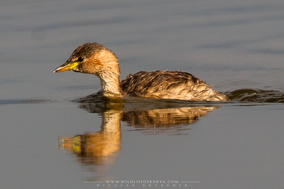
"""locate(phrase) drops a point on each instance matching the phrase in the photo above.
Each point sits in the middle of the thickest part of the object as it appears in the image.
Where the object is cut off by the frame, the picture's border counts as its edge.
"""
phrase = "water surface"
(54, 135)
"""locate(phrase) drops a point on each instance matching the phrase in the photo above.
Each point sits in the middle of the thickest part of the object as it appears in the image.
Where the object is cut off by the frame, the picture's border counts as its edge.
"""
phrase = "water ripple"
(256, 95)
(23, 101)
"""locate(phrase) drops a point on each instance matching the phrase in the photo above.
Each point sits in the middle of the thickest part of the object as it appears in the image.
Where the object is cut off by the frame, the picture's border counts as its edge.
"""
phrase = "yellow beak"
(65, 67)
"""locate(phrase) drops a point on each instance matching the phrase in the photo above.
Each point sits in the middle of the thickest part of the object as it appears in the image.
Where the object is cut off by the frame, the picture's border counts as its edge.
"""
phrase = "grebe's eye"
(80, 59)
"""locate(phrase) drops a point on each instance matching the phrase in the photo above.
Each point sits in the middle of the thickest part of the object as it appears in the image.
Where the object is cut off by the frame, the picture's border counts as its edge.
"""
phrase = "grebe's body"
(94, 58)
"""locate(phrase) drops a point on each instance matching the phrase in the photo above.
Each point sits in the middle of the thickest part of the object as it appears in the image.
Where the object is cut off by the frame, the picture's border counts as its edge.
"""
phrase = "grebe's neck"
(109, 82)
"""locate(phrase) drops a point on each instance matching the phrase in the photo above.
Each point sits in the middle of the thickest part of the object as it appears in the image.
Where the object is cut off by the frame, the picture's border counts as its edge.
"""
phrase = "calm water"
(53, 135)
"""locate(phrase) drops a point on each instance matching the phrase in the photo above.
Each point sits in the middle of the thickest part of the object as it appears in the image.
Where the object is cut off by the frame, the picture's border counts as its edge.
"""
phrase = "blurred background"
(229, 44)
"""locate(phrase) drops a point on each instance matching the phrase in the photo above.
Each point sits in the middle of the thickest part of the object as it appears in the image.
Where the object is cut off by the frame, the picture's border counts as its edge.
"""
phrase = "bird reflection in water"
(98, 150)
(172, 121)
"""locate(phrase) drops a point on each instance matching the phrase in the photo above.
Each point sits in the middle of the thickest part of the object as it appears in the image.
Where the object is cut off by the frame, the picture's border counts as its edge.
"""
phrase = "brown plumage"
(94, 58)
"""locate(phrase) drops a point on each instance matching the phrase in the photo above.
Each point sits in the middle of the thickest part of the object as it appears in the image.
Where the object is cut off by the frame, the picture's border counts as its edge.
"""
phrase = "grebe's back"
(169, 85)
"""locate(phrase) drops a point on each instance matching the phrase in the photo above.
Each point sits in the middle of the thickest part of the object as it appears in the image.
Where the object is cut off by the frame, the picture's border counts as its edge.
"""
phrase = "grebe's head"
(90, 58)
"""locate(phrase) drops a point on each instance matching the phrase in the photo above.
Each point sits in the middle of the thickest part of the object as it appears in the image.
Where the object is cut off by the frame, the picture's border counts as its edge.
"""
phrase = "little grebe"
(94, 58)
